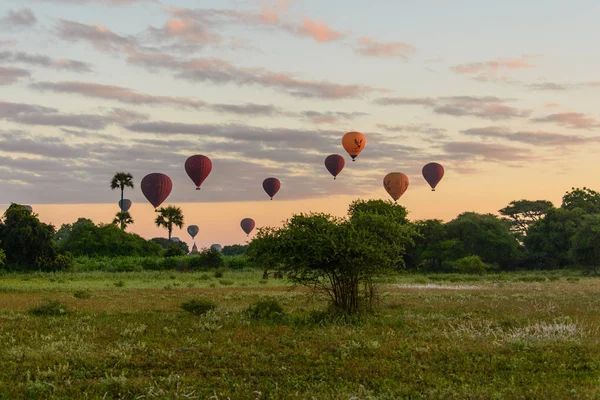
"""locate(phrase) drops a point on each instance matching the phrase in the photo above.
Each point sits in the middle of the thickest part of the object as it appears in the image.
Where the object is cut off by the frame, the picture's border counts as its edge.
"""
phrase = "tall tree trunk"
(122, 190)
(169, 228)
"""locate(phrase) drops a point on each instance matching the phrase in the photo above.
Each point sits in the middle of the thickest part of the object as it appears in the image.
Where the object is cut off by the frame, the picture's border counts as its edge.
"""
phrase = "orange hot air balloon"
(354, 143)
(395, 184)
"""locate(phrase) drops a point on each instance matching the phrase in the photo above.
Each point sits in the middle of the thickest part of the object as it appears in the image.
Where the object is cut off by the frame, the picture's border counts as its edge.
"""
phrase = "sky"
(502, 94)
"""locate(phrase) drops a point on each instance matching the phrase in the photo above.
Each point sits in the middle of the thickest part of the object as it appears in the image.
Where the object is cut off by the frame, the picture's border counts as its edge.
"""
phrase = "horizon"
(269, 87)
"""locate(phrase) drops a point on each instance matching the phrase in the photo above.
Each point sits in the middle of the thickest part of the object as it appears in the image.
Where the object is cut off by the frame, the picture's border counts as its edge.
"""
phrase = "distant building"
(194, 249)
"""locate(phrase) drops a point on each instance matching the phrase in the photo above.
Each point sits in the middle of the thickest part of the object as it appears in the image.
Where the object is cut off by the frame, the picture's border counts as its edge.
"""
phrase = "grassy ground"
(519, 335)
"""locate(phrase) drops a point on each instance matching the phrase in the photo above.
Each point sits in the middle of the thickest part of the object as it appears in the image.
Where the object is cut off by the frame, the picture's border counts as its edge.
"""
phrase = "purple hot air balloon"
(334, 164)
(271, 186)
(156, 188)
(248, 225)
(433, 174)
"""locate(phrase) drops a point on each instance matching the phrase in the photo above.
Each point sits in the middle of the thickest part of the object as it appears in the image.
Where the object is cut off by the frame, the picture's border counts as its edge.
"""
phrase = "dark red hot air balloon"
(433, 174)
(334, 164)
(247, 225)
(271, 186)
(156, 188)
(198, 168)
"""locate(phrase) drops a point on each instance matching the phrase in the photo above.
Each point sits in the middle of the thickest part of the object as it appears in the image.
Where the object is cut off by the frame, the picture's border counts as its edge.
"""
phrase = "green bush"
(471, 265)
(52, 308)
(220, 272)
(170, 263)
(82, 294)
(2, 258)
(198, 306)
(238, 263)
(206, 259)
(174, 251)
(267, 309)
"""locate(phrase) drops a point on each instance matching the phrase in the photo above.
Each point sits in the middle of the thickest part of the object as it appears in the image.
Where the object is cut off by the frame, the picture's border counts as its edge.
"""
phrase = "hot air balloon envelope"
(433, 174)
(156, 187)
(198, 168)
(334, 164)
(395, 184)
(354, 143)
(216, 247)
(271, 186)
(125, 205)
(248, 225)
(28, 208)
(193, 230)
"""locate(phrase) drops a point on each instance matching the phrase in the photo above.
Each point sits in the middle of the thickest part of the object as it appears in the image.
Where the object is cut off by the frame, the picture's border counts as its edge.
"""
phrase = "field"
(509, 336)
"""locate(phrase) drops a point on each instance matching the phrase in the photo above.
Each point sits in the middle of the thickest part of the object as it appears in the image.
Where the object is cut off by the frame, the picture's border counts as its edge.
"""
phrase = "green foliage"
(551, 237)
(123, 219)
(174, 251)
(2, 258)
(267, 309)
(220, 272)
(471, 265)
(263, 250)
(386, 208)
(82, 294)
(168, 218)
(27, 242)
(484, 235)
(586, 199)
(84, 238)
(339, 258)
(521, 214)
(165, 244)
(207, 259)
(238, 262)
(234, 250)
(51, 308)
(586, 243)
(198, 306)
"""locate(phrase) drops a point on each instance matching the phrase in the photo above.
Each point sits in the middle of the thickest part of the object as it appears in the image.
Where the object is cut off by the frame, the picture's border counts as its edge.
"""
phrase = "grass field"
(509, 336)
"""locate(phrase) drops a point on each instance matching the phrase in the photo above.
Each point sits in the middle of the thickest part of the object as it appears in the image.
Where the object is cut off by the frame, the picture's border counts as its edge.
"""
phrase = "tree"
(585, 248)
(121, 180)
(486, 236)
(549, 240)
(263, 250)
(522, 213)
(84, 238)
(122, 219)
(166, 243)
(27, 242)
(169, 217)
(385, 208)
(235, 250)
(340, 258)
(2, 257)
(586, 199)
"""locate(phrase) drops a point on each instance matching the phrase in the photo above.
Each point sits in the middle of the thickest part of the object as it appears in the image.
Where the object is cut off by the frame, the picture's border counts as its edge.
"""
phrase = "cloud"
(211, 70)
(44, 61)
(22, 17)
(535, 138)
(487, 151)
(489, 107)
(28, 114)
(571, 120)
(99, 36)
(102, 2)
(370, 47)
(331, 117)
(187, 31)
(434, 133)
(560, 87)
(494, 69)
(10, 75)
(318, 30)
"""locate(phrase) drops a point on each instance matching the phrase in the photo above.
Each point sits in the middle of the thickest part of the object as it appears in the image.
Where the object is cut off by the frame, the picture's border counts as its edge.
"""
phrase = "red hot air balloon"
(334, 164)
(433, 174)
(271, 186)
(247, 225)
(156, 188)
(198, 168)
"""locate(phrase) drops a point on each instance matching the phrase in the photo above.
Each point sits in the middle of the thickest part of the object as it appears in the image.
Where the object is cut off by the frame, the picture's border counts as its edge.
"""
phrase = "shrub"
(52, 308)
(170, 263)
(2, 258)
(267, 309)
(226, 282)
(238, 263)
(198, 306)
(82, 294)
(174, 251)
(219, 273)
(471, 265)
(207, 259)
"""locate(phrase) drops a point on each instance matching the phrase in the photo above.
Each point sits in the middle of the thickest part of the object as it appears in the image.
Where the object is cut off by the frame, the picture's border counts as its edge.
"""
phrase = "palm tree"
(123, 218)
(168, 217)
(121, 180)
